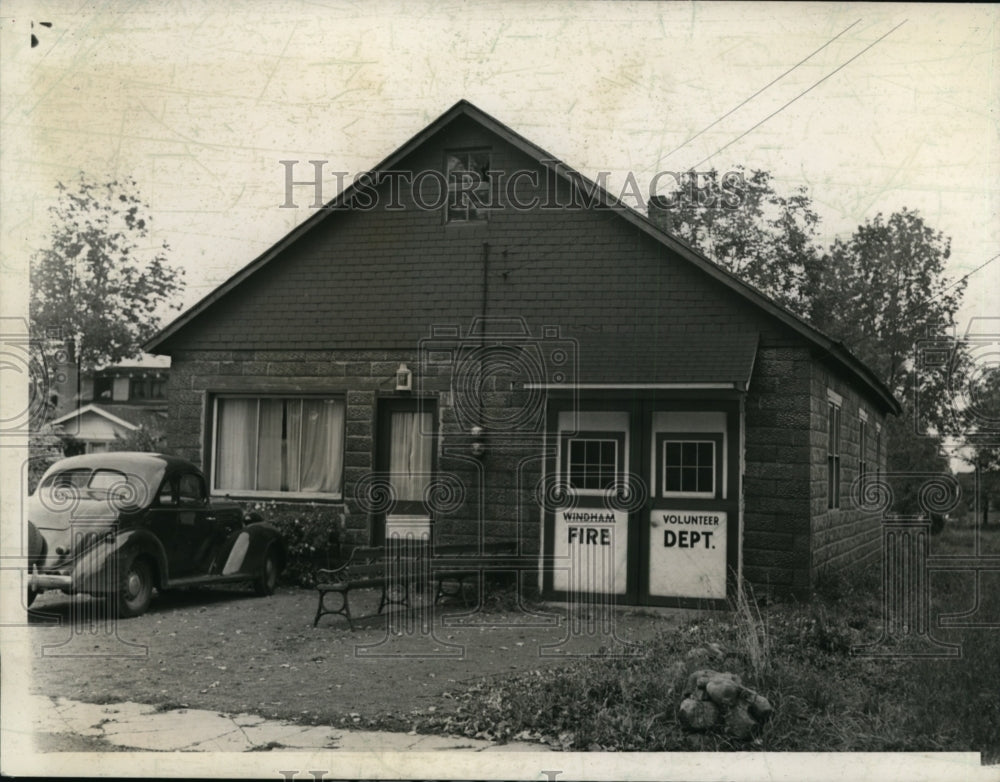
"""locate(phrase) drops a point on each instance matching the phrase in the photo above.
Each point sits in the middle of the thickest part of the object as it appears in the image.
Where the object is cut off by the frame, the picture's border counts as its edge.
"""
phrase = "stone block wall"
(489, 495)
(845, 538)
(776, 532)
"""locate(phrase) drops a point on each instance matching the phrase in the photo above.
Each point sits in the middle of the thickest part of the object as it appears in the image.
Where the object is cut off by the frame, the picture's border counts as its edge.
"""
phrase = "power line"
(766, 86)
(808, 89)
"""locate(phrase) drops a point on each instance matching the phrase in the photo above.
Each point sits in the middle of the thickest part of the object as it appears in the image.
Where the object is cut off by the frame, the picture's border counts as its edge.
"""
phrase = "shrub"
(312, 534)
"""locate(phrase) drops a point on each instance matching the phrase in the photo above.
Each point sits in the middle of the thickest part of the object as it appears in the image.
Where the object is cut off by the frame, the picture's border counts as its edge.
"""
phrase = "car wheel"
(265, 583)
(135, 588)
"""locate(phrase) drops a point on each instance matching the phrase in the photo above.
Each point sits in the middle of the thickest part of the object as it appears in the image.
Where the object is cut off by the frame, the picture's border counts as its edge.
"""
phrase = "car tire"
(135, 589)
(264, 584)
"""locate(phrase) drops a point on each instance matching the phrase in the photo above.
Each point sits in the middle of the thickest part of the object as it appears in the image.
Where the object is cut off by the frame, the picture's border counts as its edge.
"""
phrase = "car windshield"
(98, 484)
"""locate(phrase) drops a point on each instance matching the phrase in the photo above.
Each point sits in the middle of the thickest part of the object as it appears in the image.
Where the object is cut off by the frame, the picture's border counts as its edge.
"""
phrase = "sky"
(199, 101)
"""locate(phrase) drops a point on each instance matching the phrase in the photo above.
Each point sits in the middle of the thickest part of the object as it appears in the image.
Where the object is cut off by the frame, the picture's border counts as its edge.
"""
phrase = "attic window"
(468, 173)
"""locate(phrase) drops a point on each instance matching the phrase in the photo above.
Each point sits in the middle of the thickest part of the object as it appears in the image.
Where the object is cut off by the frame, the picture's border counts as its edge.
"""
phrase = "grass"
(797, 654)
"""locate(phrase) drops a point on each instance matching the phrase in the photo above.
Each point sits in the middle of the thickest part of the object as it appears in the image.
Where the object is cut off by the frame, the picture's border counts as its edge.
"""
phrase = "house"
(475, 342)
(113, 403)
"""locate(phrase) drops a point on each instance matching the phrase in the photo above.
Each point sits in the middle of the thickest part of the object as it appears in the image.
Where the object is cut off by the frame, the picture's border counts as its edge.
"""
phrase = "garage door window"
(689, 464)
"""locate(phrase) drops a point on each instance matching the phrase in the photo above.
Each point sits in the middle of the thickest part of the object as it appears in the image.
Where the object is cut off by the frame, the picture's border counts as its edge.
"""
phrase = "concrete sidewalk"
(137, 726)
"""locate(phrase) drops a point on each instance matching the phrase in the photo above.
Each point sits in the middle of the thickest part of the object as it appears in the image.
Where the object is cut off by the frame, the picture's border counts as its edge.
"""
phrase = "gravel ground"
(227, 650)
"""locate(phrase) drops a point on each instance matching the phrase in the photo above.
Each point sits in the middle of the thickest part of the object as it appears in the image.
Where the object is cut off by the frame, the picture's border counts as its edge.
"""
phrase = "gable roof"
(140, 417)
(830, 349)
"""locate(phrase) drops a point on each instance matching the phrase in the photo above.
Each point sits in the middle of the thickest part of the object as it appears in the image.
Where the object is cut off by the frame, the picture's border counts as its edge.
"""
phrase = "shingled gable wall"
(342, 308)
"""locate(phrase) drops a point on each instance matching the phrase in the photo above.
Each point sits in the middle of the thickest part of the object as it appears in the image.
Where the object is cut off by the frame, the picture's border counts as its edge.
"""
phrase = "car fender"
(248, 546)
(98, 569)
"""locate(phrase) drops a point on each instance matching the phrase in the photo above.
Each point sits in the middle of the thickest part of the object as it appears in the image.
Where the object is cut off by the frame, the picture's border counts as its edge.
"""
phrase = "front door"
(642, 500)
(405, 457)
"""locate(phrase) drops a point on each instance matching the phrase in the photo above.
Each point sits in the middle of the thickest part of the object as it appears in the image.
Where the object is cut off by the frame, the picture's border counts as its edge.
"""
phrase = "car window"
(165, 496)
(103, 480)
(68, 478)
(191, 489)
(97, 484)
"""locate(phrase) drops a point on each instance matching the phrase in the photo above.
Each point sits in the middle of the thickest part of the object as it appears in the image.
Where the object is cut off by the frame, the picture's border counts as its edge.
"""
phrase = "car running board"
(187, 581)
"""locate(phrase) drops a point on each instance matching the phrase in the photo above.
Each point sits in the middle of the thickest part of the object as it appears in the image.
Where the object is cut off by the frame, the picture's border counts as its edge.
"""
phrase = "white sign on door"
(591, 547)
(687, 553)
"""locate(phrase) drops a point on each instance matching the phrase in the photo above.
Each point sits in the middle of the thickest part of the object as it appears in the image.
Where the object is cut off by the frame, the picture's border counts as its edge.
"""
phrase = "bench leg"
(459, 590)
(344, 610)
(387, 600)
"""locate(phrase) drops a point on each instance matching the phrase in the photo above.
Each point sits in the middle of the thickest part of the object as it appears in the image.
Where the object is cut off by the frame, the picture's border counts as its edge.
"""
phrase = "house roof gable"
(830, 349)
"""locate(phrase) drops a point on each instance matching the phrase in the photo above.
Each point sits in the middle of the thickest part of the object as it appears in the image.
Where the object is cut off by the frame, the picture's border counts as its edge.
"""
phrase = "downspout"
(482, 321)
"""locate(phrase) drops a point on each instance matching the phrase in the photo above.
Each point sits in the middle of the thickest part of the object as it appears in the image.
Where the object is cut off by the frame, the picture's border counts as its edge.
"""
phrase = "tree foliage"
(882, 292)
(739, 221)
(981, 434)
(100, 280)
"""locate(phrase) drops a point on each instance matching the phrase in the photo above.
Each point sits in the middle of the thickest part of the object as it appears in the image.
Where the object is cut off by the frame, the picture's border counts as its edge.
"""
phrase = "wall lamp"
(404, 378)
(478, 448)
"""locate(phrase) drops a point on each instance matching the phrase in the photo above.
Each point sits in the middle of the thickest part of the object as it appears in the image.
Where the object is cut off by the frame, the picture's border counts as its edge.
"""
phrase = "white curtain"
(322, 445)
(269, 445)
(236, 446)
(280, 445)
(293, 446)
(410, 454)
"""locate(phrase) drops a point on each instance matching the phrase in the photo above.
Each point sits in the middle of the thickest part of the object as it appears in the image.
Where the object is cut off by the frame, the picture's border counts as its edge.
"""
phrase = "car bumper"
(39, 582)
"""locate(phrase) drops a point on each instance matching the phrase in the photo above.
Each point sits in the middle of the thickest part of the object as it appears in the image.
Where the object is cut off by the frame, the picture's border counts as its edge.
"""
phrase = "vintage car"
(119, 525)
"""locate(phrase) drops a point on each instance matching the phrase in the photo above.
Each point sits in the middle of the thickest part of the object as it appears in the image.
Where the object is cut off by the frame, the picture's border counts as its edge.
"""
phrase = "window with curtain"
(279, 445)
(410, 454)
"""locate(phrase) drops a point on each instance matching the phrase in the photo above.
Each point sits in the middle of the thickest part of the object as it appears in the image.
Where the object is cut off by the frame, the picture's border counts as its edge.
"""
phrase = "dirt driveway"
(227, 650)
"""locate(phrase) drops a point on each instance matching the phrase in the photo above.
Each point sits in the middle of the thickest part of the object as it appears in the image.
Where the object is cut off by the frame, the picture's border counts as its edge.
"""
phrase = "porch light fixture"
(404, 378)
(477, 448)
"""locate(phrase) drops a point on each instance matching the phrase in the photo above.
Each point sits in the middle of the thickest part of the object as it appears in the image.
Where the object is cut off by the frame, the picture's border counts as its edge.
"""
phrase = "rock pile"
(714, 699)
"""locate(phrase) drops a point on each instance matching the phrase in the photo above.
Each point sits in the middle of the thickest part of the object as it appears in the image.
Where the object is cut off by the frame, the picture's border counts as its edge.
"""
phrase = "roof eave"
(604, 198)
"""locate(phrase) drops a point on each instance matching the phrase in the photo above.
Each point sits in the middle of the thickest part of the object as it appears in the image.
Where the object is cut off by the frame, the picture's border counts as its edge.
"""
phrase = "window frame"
(565, 441)
(663, 438)
(211, 475)
(878, 449)
(834, 424)
(451, 187)
(862, 449)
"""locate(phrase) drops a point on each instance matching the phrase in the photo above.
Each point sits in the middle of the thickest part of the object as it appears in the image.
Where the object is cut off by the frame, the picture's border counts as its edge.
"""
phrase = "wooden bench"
(392, 568)
(454, 564)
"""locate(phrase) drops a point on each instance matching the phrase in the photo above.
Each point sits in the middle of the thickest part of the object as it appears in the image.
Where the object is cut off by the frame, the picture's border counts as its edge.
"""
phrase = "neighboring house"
(115, 402)
(564, 374)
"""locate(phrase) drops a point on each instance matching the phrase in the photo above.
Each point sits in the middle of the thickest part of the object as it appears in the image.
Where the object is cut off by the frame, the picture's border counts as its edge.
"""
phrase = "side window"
(862, 449)
(468, 185)
(833, 456)
(191, 490)
(166, 494)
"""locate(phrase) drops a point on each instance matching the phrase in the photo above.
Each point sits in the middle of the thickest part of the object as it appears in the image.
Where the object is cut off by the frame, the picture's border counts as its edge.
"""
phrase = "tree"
(740, 222)
(981, 435)
(883, 292)
(99, 281)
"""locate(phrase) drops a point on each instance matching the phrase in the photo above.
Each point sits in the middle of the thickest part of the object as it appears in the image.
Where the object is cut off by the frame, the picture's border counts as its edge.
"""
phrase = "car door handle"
(210, 518)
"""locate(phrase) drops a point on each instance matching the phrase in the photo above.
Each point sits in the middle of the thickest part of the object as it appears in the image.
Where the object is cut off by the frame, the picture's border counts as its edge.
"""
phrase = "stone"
(760, 708)
(697, 715)
(723, 690)
(698, 679)
(739, 723)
